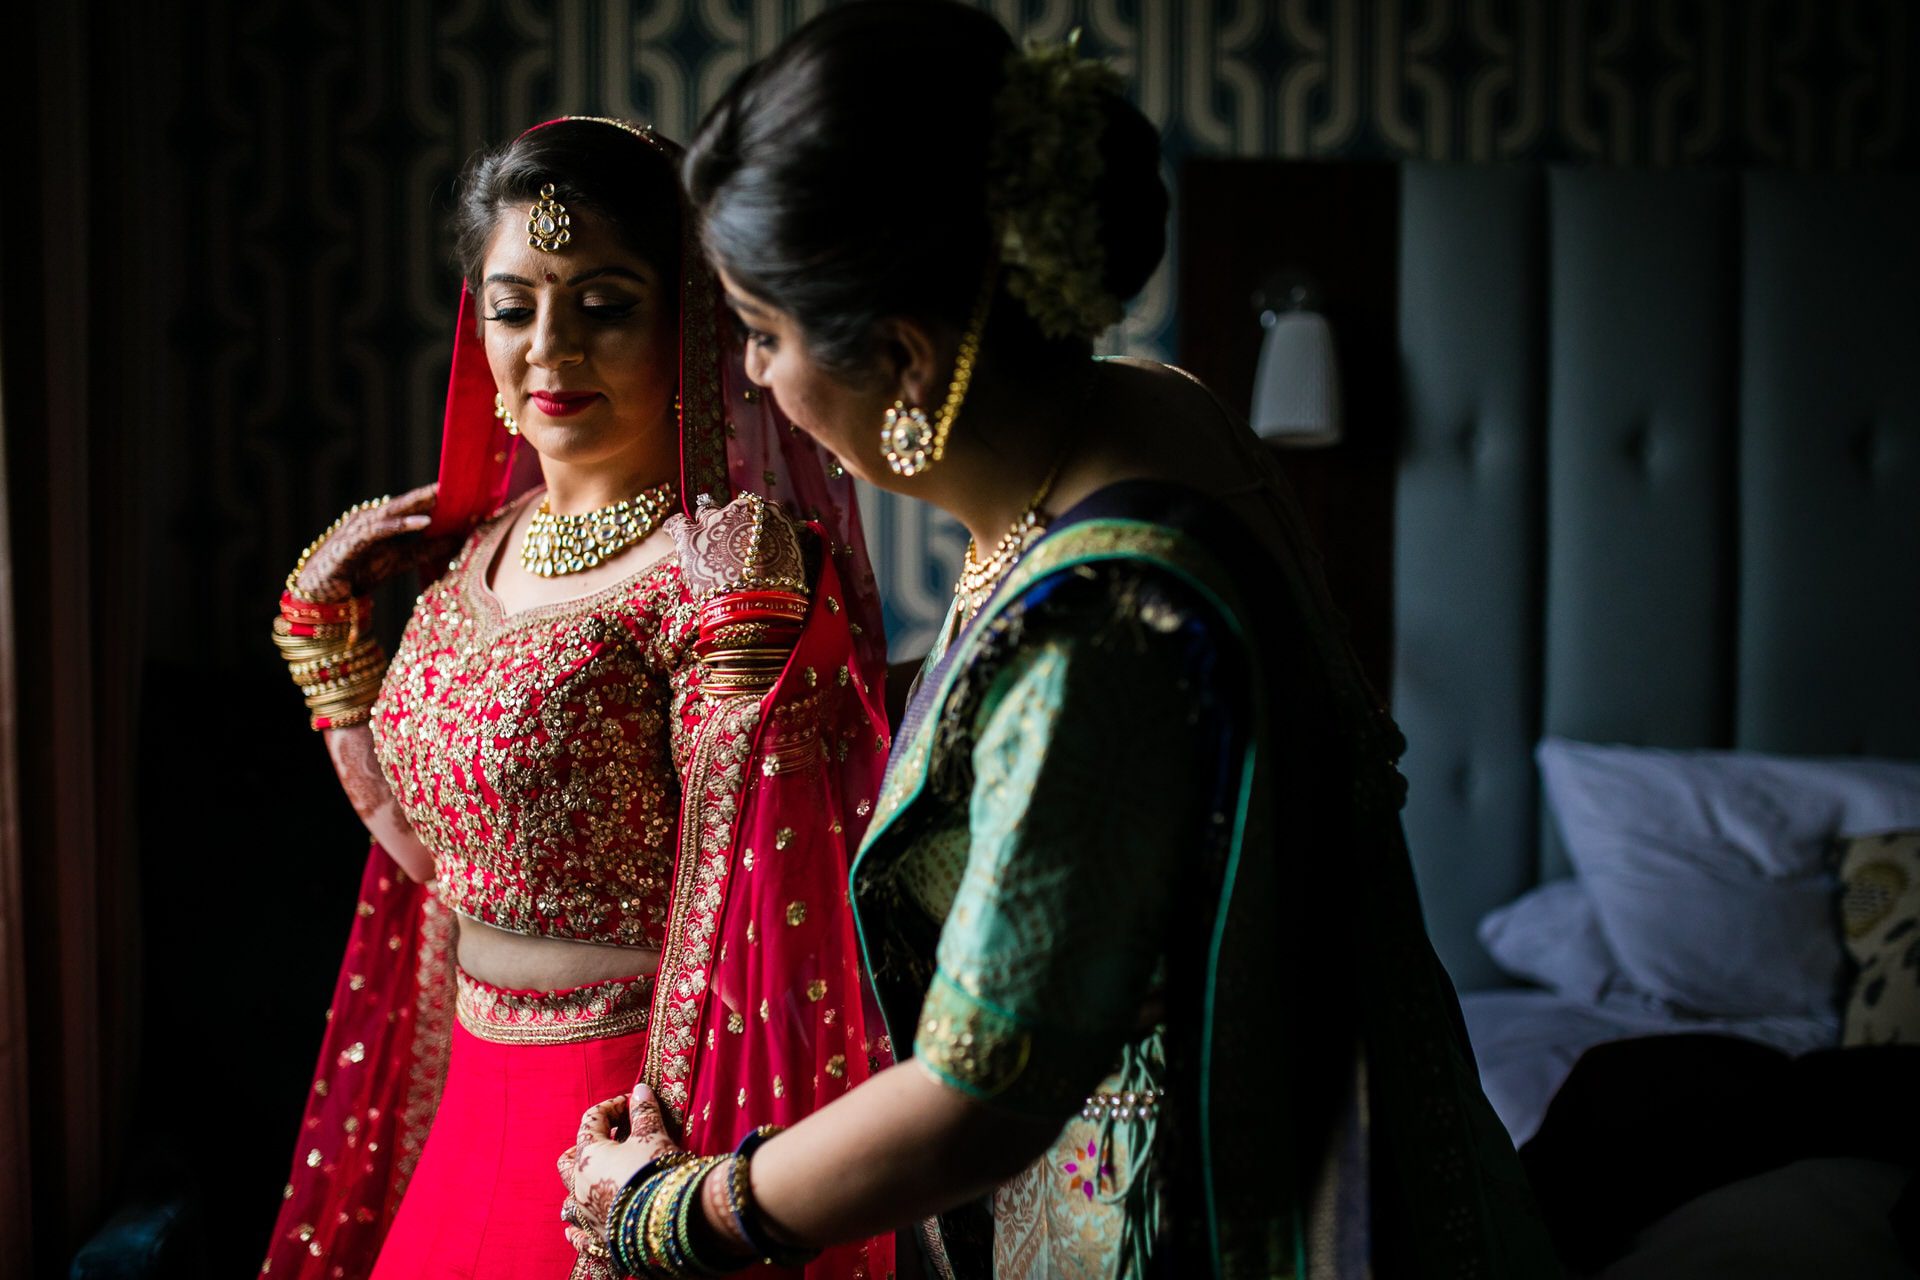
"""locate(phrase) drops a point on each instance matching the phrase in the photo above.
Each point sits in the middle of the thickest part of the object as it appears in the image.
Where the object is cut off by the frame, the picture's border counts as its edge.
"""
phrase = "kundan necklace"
(556, 545)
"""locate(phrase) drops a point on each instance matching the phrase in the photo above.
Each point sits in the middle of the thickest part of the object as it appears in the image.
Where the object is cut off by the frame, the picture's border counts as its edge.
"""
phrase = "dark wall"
(243, 240)
(1809, 87)
(303, 156)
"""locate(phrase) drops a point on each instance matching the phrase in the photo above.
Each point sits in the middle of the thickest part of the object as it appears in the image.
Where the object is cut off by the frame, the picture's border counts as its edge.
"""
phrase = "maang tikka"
(548, 223)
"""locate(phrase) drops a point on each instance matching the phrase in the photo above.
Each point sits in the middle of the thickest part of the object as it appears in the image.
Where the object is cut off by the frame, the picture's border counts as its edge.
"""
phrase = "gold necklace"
(978, 577)
(557, 545)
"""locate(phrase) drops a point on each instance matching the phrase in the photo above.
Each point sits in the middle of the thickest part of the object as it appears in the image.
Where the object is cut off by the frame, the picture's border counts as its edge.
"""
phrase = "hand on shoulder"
(750, 544)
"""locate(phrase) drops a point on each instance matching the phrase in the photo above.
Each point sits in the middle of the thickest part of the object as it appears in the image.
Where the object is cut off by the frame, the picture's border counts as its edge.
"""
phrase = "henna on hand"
(646, 1122)
(596, 1205)
(600, 1163)
(371, 547)
(355, 760)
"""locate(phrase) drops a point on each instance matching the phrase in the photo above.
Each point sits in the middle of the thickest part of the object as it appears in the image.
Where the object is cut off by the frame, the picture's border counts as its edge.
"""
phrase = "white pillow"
(1550, 936)
(1708, 869)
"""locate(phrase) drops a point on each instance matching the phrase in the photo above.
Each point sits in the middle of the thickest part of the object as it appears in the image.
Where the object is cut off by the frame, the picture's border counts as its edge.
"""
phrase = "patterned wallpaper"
(307, 152)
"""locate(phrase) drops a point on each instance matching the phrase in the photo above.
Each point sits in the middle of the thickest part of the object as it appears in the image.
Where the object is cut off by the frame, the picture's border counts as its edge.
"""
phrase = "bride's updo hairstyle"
(849, 177)
(594, 166)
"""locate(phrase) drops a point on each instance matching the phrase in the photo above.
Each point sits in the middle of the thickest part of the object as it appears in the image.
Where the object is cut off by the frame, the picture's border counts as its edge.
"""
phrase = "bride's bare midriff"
(526, 963)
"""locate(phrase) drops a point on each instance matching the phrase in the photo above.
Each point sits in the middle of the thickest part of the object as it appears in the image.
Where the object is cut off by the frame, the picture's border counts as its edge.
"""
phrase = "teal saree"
(1137, 868)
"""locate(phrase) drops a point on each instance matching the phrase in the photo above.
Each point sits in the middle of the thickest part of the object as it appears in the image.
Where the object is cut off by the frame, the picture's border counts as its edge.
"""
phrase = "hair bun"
(1073, 189)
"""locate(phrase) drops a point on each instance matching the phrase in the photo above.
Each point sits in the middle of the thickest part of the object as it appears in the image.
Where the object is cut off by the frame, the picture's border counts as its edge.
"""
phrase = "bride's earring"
(907, 438)
(500, 412)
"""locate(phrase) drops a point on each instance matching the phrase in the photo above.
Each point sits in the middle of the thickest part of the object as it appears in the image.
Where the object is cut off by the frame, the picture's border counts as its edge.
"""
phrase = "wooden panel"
(1241, 222)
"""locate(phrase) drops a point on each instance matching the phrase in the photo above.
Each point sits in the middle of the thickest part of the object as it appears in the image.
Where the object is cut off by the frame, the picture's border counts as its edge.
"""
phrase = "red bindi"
(551, 277)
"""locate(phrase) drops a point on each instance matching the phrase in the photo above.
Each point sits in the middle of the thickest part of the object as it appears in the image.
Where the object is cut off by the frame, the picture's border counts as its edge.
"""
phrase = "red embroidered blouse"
(538, 755)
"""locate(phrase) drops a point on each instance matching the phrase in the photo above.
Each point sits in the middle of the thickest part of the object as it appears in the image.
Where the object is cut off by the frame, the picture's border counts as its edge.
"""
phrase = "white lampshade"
(1296, 389)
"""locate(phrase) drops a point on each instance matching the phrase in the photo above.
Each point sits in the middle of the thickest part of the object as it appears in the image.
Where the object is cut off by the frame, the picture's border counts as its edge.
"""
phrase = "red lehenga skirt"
(484, 1201)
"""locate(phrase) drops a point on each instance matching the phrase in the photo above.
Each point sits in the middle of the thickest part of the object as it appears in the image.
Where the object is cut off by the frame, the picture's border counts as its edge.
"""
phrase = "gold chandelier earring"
(906, 437)
(500, 412)
(910, 440)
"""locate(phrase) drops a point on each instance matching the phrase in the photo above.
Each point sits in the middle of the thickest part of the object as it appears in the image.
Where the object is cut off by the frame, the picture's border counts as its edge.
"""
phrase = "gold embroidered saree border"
(1088, 541)
(432, 1031)
(711, 793)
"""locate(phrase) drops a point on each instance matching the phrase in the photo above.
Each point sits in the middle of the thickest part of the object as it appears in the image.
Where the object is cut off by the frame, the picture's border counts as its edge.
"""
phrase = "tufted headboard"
(1659, 484)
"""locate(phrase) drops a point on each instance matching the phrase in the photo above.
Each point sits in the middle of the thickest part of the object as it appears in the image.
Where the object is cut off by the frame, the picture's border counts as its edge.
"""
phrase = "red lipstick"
(561, 404)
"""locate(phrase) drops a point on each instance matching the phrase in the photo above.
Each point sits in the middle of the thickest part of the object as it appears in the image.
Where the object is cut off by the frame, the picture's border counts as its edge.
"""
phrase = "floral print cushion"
(1880, 921)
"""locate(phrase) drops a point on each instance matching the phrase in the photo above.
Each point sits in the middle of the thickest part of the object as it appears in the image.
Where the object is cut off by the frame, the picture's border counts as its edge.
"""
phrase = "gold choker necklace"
(557, 545)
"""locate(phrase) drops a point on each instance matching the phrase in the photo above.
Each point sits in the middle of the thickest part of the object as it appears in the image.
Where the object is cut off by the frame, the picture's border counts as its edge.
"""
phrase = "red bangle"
(303, 613)
(753, 606)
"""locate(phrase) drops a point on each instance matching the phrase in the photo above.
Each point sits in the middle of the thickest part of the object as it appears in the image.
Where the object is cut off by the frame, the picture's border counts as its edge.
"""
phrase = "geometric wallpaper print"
(314, 147)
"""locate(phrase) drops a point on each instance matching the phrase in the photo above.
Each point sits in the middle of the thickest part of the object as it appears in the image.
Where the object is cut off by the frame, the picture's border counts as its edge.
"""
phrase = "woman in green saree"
(1134, 898)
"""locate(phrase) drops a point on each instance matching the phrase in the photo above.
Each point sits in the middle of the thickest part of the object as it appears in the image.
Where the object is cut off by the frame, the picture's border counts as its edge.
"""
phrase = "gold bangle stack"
(338, 670)
(335, 665)
(750, 669)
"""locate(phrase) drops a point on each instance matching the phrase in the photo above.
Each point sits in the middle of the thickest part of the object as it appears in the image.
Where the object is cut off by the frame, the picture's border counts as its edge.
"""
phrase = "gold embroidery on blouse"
(969, 1043)
(533, 753)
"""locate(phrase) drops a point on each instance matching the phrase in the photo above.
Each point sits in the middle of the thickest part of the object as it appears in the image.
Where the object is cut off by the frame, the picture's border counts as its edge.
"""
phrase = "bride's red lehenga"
(588, 771)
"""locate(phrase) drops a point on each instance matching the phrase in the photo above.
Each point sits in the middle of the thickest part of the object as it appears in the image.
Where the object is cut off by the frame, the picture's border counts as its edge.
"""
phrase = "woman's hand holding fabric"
(368, 548)
(617, 1139)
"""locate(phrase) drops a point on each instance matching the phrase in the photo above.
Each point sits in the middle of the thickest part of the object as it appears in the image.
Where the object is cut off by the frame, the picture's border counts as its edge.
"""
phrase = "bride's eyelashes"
(601, 308)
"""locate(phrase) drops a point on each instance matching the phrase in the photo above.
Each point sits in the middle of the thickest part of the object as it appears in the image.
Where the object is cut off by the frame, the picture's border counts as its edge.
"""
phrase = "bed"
(1658, 487)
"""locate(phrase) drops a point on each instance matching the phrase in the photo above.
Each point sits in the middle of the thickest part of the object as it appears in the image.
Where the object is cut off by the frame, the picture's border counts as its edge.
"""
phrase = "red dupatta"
(762, 1013)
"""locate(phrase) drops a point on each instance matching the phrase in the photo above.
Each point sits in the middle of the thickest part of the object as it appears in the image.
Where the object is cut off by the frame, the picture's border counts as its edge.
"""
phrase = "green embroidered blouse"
(1071, 892)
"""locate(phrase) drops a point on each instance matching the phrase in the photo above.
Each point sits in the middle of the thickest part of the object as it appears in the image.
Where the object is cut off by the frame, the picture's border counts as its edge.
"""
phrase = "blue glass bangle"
(679, 1247)
(746, 1216)
(617, 1215)
(626, 1229)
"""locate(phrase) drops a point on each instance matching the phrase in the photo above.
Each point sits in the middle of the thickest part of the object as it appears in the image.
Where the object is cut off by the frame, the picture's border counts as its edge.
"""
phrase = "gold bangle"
(345, 683)
(354, 694)
(341, 720)
(337, 653)
(336, 666)
(327, 639)
(363, 693)
(340, 710)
